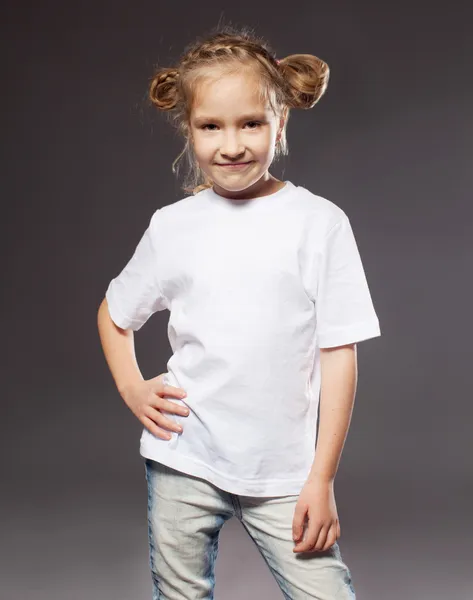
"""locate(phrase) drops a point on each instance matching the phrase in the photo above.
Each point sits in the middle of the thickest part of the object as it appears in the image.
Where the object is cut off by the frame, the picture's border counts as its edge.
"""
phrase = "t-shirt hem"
(190, 466)
(349, 335)
(117, 316)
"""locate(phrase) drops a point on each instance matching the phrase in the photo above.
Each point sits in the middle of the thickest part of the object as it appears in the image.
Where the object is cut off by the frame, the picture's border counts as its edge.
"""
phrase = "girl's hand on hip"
(146, 401)
(317, 503)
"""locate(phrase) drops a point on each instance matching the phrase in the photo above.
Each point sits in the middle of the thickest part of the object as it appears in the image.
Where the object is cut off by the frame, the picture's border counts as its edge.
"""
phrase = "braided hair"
(296, 81)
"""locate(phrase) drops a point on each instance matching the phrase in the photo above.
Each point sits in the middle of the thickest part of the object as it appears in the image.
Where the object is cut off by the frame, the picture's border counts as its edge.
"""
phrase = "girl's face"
(234, 136)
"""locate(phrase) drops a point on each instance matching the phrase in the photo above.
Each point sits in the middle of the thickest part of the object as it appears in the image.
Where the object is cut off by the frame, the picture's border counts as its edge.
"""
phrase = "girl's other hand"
(146, 400)
(316, 504)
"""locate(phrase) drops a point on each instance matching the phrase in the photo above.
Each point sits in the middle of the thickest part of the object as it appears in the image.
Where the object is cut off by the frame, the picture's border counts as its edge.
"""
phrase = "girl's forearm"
(337, 396)
(119, 348)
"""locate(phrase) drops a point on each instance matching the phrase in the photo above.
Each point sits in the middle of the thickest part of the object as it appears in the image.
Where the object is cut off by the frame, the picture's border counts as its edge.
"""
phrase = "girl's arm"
(119, 348)
(337, 396)
(145, 398)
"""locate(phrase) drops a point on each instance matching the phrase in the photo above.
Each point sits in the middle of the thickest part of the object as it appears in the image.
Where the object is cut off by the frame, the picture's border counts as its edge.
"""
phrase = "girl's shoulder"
(174, 212)
(319, 207)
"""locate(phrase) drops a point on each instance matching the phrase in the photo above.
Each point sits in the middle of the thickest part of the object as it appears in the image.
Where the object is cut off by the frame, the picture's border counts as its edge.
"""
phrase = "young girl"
(268, 299)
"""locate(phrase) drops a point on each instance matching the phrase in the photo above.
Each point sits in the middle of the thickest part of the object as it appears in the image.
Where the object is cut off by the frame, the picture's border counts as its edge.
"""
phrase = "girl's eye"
(207, 125)
(257, 123)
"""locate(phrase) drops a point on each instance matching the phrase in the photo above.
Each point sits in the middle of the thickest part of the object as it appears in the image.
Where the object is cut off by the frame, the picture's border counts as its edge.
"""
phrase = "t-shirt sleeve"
(134, 295)
(344, 309)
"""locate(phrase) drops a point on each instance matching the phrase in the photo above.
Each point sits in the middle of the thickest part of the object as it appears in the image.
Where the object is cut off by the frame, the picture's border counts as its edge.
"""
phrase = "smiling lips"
(234, 166)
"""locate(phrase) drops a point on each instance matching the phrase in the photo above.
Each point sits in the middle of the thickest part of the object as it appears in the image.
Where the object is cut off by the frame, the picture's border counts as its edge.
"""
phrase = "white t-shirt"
(254, 289)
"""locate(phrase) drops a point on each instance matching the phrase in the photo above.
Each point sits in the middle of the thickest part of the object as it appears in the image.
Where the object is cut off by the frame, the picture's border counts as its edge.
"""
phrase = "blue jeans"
(185, 516)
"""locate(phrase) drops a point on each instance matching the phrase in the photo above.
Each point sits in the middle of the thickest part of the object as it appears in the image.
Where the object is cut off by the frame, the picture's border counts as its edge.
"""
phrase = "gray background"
(86, 162)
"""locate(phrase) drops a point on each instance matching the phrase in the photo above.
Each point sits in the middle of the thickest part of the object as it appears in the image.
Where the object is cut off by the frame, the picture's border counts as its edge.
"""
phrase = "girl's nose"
(232, 147)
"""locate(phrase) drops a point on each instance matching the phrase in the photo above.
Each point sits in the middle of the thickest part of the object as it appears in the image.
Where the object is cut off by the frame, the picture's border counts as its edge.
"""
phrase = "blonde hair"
(296, 81)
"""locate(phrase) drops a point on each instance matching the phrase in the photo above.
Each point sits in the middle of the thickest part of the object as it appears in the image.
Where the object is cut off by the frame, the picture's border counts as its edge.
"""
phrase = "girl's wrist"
(318, 477)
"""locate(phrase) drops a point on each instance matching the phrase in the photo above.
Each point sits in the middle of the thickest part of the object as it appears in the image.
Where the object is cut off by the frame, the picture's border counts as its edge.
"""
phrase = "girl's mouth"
(235, 166)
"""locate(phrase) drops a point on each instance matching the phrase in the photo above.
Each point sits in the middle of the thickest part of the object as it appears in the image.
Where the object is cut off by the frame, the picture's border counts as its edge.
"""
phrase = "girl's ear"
(282, 120)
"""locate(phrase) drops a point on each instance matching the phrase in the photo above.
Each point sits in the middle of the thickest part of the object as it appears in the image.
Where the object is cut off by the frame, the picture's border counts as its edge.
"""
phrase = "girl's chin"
(236, 178)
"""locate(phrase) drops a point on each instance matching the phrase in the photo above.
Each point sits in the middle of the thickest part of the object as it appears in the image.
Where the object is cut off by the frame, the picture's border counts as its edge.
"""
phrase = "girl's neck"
(263, 187)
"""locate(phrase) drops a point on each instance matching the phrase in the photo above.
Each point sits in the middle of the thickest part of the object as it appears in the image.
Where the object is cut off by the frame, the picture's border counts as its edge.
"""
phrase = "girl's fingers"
(160, 420)
(159, 403)
(156, 431)
(322, 538)
(170, 390)
(331, 538)
(308, 539)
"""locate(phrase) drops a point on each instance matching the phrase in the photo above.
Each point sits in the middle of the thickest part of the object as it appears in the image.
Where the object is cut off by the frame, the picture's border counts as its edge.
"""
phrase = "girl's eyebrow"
(249, 117)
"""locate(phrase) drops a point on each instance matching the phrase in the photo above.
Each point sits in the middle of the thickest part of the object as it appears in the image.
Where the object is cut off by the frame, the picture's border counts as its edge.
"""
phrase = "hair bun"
(163, 88)
(307, 76)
